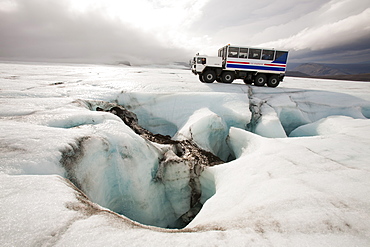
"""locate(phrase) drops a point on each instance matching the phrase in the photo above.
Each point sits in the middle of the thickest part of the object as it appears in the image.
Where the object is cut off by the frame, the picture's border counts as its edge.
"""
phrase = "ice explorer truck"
(253, 65)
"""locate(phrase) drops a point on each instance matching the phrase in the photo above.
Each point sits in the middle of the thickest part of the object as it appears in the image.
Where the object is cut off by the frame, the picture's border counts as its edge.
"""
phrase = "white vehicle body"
(205, 61)
(253, 65)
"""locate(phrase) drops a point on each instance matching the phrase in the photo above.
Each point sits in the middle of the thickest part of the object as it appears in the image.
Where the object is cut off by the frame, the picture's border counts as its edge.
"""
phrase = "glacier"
(295, 168)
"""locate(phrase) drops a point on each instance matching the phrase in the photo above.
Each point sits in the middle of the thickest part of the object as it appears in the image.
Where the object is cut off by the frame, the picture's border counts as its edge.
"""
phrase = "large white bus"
(254, 65)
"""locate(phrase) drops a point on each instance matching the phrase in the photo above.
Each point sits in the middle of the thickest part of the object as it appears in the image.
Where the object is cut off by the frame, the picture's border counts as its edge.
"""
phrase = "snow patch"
(329, 126)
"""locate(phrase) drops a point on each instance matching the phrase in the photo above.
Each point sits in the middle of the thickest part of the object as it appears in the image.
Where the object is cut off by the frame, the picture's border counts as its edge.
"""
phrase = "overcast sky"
(155, 31)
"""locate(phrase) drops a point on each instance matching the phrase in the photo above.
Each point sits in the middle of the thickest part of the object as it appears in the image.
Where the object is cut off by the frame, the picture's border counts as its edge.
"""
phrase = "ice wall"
(208, 130)
(166, 179)
(294, 108)
(148, 178)
(204, 118)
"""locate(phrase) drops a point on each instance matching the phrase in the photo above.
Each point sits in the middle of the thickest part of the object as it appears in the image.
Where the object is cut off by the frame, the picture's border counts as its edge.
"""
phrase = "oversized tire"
(228, 77)
(260, 80)
(273, 81)
(201, 77)
(209, 76)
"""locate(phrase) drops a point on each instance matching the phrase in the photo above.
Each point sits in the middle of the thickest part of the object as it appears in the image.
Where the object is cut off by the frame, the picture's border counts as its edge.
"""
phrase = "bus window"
(268, 54)
(254, 54)
(281, 56)
(233, 51)
(243, 53)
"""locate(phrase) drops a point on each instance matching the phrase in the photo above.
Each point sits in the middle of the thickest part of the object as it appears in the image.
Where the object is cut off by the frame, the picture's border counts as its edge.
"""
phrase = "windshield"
(201, 60)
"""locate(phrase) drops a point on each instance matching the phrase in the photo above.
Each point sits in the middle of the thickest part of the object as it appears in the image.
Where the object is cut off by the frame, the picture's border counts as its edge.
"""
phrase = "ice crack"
(186, 153)
(255, 108)
(161, 188)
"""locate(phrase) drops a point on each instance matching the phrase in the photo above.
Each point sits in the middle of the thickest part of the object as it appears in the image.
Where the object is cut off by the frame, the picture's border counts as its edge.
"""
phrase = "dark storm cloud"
(356, 51)
(315, 30)
(49, 30)
(254, 15)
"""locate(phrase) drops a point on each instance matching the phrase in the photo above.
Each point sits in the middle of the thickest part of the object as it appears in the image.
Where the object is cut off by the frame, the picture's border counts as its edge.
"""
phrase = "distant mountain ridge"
(355, 72)
(315, 69)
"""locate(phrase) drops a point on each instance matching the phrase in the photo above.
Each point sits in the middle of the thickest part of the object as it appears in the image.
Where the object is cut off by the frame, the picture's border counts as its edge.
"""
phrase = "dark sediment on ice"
(185, 152)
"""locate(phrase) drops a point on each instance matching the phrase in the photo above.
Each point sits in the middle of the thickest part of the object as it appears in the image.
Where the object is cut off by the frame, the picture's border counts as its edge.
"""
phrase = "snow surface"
(300, 174)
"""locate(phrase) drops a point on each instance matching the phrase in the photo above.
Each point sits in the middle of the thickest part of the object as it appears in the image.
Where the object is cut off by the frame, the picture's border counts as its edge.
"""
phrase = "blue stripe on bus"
(254, 67)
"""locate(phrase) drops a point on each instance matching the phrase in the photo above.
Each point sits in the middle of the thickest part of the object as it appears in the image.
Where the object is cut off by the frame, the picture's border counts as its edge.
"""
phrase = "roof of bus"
(249, 47)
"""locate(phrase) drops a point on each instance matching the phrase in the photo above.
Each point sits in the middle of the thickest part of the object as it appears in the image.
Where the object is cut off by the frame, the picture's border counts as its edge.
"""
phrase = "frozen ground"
(297, 170)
